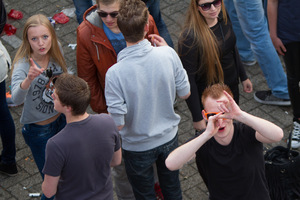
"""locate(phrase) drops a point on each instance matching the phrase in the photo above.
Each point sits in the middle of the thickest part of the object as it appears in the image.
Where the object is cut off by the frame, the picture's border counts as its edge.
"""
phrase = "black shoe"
(266, 97)
(8, 169)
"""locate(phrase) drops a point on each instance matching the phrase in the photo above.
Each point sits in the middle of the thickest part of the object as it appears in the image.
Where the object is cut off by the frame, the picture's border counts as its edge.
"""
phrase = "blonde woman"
(37, 62)
(207, 49)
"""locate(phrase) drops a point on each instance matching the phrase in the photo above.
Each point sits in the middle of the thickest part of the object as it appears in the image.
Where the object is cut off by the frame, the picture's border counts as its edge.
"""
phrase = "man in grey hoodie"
(140, 90)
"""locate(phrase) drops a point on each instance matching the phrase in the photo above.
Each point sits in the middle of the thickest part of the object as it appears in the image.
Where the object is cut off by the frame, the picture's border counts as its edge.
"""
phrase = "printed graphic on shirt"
(44, 88)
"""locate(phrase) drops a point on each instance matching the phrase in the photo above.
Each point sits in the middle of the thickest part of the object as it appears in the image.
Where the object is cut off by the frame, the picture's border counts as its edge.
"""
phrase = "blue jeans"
(81, 6)
(139, 168)
(242, 43)
(7, 129)
(255, 27)
(36, 137)
(154, 9)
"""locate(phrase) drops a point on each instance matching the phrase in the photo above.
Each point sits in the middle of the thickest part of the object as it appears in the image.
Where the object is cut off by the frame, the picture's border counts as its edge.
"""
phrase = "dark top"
(229, 58)
(235, 171)
(81, 154)
(288, 21)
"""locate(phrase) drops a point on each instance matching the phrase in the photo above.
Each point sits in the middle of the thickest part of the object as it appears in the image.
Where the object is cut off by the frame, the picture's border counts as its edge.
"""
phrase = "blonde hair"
(205, 40)
(25, 50)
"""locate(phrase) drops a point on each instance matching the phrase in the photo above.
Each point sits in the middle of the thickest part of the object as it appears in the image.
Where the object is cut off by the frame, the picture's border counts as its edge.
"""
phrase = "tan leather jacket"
(95, 55)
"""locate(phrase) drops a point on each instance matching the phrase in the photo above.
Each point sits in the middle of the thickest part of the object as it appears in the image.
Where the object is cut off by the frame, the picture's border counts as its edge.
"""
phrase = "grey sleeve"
(19, 74)
(181, 78)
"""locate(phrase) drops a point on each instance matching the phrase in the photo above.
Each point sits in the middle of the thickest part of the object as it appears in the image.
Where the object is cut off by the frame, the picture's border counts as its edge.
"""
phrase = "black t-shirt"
(235, 171)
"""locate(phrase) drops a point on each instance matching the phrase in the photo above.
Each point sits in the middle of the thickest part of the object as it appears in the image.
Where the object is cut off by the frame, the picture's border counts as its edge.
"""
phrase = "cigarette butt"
(34, 194)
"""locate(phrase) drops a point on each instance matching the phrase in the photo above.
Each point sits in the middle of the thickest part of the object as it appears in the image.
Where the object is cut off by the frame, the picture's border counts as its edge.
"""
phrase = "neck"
(71, 118)
(41, 60)
(128, 44)
(211, 22)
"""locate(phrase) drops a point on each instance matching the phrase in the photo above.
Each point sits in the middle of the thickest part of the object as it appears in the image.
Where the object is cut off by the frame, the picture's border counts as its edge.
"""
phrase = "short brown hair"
(132, 18)
(215, 91)
(106, 2)
(74, 92)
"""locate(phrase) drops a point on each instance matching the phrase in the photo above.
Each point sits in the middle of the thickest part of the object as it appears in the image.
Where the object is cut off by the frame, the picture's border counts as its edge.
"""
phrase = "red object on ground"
(10, 29)
(15, 14)
(159, 195)
(61, 18)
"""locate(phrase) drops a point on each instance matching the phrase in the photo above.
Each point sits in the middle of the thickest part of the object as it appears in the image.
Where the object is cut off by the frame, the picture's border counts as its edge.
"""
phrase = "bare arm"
(266, 132)
(49, 185)
(186, 152)
(117, 157)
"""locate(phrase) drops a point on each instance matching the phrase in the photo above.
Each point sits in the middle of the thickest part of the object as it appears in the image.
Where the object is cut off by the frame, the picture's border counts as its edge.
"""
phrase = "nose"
(220, 122)
(40, 42)
(212, 7)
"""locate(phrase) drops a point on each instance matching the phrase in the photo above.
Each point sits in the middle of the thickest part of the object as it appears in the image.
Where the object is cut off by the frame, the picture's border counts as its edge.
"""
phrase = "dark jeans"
(292, 62)
(139, 168)
(36, 137)
(7, 129)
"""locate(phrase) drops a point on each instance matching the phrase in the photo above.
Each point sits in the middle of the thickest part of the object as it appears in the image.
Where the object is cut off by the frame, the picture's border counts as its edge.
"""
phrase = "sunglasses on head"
(207, 6)
(209, 114)
(105, 14)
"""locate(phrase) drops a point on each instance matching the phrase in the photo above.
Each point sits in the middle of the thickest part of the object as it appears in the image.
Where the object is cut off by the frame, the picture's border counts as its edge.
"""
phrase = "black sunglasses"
(207, 6)
(49, 74)
(105, 14)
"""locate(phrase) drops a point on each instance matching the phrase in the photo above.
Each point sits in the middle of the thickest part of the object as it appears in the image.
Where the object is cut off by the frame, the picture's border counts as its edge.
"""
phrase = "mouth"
(42, 49)
(221, 129)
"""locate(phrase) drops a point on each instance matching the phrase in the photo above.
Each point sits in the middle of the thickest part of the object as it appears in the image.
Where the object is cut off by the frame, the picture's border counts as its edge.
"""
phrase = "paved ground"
(28, 179)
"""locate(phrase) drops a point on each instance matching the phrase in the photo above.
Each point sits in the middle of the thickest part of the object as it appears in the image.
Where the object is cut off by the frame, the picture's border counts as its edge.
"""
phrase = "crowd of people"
(130, 74)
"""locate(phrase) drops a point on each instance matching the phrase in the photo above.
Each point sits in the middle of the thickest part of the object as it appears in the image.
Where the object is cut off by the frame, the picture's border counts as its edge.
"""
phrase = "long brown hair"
(25, 50)
(205, 40)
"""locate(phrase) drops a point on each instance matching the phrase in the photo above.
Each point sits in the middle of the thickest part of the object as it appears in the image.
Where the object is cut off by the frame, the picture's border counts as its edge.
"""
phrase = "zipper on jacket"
(98, 56)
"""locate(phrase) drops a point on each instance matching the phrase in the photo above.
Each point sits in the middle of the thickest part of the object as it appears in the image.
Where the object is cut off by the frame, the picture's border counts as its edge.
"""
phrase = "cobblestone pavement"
(28, 179)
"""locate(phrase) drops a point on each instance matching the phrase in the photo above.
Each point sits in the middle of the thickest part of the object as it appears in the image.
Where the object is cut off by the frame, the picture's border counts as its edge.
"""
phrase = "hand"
(247, 86)
(280, 48)
(200, 125)
(157, 40)
(34, 71)
(212, 125)
(229, 107)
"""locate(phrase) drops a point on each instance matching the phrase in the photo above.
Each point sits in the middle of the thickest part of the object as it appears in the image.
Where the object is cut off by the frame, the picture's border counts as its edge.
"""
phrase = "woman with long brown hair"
(37, 62)
(207, 49)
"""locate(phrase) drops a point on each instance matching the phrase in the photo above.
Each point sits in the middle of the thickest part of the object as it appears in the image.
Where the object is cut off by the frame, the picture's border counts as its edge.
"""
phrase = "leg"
(255, 27)
(122, 186)
(169, 180)
(139, 168)
(36, 138)
(81, 6)
(242, 43)
(7, 132)
(154, 9)
(292, 61)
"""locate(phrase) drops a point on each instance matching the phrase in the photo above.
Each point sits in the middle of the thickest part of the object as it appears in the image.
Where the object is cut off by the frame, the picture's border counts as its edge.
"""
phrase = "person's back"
(146, 77)
(79, 157)
(86, 147)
